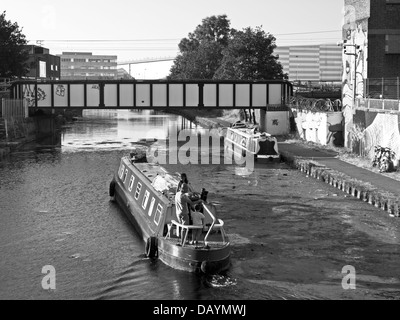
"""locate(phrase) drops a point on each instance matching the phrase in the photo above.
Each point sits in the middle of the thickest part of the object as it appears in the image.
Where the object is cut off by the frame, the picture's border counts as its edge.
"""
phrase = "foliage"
(216, 51)
(201, 52)
(249, 56)
(13, 55)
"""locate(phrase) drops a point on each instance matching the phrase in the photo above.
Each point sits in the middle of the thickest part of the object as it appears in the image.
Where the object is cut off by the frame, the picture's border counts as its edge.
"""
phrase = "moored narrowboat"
(146, 193)
(243, 141)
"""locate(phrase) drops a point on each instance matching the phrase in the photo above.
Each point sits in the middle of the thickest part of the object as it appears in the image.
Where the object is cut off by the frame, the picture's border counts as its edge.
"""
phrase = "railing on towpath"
(13, 109)
(379, 105)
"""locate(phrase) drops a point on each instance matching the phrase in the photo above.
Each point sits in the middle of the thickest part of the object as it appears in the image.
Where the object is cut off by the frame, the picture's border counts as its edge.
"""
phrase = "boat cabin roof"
(160, 179)
(249, 132)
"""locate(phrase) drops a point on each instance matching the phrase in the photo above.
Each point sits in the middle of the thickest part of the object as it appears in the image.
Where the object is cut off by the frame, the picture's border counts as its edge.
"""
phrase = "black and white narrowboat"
(243, 141)
(146, 193)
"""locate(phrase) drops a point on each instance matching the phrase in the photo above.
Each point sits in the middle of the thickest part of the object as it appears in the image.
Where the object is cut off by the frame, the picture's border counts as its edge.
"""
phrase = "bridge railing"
(152, 94)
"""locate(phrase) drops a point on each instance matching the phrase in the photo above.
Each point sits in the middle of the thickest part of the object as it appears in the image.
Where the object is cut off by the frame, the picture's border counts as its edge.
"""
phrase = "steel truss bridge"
(154, 94)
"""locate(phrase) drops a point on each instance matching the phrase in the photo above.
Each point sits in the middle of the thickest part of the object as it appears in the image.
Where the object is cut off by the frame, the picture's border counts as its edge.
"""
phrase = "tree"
(216, 51)
(13, 55)
(249, 56)
(201, 52)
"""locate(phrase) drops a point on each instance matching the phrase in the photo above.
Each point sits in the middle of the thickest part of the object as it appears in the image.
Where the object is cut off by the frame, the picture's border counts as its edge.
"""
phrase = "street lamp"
(356, 47)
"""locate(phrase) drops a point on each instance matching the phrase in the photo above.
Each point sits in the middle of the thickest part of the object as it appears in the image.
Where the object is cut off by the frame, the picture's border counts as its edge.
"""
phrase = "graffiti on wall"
(355, 36)
(373, 129)
(318, 120)
(30, 94)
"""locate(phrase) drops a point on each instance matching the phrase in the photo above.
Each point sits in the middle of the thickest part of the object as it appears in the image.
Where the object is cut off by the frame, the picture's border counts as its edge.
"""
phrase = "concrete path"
(384, 193)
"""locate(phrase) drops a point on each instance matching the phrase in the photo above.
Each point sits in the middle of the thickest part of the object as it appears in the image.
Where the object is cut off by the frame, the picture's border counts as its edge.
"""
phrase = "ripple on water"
(221, 281)
(237, 239)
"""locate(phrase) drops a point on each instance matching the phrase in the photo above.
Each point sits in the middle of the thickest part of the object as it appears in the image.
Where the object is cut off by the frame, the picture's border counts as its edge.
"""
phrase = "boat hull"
(211, 261)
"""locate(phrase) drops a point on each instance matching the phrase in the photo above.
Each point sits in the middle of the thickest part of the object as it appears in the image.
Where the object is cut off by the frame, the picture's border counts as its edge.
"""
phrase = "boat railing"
(183, 226)
(214, 225)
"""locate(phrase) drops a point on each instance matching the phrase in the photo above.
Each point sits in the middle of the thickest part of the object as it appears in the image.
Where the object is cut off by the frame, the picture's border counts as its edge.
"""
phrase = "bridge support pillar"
(263, 119)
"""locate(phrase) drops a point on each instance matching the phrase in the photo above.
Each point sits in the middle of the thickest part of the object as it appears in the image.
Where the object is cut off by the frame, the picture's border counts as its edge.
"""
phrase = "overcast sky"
(133, 29)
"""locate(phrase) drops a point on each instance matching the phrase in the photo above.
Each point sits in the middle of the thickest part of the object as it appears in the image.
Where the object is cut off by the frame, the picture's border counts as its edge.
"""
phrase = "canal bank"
(374, 188)
(17, 132)
(327, 165)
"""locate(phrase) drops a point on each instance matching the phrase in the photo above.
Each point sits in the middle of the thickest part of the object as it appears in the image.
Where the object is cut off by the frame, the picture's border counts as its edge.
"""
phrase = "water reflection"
(118, 129)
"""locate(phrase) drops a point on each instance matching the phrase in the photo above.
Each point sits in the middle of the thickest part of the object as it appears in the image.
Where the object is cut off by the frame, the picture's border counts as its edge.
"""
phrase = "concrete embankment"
(380, 191)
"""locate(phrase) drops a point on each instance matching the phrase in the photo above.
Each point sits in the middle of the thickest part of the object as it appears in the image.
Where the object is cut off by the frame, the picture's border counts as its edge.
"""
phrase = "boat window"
(157, 217)
(153, 201)
(126, 175)
(145, 199)
(121, 171)
(138, 189)
(131, 183)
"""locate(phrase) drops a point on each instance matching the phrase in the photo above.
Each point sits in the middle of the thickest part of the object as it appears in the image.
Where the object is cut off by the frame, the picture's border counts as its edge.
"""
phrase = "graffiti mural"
(318, 120)
(372, 129)
(30, 94)
(60, 90)
(355, 37)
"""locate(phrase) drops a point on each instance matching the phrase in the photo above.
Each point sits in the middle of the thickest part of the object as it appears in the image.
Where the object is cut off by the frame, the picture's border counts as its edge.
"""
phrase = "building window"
(392, 44)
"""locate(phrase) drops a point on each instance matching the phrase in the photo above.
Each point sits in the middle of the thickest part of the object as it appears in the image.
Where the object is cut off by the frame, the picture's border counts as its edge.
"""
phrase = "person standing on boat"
(198, 220)
(182, 202)
(185, 185)
(184, 180)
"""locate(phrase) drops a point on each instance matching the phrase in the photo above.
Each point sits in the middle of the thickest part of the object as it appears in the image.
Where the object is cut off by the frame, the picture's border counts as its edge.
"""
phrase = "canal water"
(291, 235)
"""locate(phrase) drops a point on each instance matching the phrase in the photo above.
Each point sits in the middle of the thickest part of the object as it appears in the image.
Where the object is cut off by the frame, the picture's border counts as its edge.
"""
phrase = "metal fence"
(382, 88)
(380, 105)
(13, 109)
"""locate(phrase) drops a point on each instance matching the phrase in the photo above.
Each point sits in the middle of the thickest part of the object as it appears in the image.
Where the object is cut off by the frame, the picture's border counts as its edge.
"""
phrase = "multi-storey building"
(371, 69)
(311, 62)
(85, 65)
(41, 64)
(372, 28)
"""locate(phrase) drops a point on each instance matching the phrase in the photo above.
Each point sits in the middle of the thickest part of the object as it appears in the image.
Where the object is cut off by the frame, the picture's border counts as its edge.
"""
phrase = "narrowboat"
(146, 193)
(244, 140)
